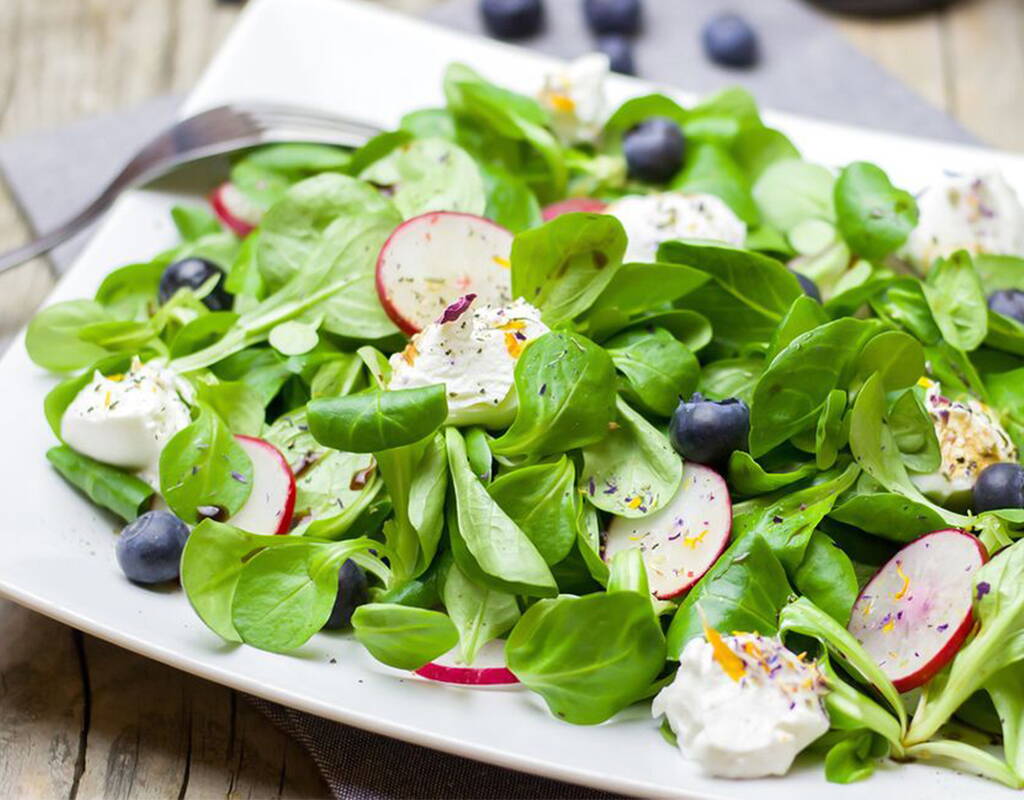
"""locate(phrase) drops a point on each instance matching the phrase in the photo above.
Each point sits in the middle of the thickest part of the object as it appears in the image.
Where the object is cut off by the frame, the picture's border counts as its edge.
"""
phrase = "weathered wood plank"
(42, 705)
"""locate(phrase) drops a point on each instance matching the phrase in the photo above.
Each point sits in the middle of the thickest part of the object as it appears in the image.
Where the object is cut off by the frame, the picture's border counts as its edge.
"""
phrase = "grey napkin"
(808, 67)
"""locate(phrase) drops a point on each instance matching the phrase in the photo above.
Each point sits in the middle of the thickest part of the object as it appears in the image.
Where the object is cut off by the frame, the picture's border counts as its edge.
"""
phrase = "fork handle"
(47, 241)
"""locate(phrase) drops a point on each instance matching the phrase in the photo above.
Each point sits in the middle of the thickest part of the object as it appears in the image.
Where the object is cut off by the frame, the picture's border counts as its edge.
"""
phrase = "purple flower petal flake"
(457, 309)
(983, 589)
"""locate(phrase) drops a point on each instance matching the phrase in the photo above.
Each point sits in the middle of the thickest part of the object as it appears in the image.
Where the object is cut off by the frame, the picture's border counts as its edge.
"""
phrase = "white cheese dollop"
(979, 213)
(743, 706)
(652, 219)
(970, 439)
(574, 96)
(474, 353)
(125, 420)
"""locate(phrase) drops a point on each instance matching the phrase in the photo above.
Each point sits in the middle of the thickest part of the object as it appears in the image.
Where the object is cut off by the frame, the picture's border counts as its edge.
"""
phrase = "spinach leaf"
(429, 174)
(914, 433)
(194, 222)
(657, 367)
(633, 471)
(874, 447)
(52, 339)
(377, 420)
(264, 174)
(852, 755)
(831, 434)
(235, 403)
(210, 566)
(1005, 334)
(203, 466)
(804, 315)
(897, 357)
(403, 637)
(510, 202)
(731, 377)
(999, 271)
(826, 576)
(790, 394)
(201, 332)
(564, 265)
(130, 292)
(479, 614)
(743, 591)
(887, 514)
(747, 477)
(790, 191)
(565, 385)
(903, 303)
(756, 149)
(541, 500)
(642, 287)
(263, 370)
(488, 545)
(285, 594)
(588, 657)
(874, 216)
(588, 541)
(748, 295)
(957, 301)
(416, 476)
(786, 521)
(709, 169)
(107, 486)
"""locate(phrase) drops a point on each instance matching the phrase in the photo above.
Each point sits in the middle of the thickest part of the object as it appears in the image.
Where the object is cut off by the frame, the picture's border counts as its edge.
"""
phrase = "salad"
(618, 406)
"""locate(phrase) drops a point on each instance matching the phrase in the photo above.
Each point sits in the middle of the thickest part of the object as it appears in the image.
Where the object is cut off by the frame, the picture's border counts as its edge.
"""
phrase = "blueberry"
(612, 16)
(352, 593)
(1009, 303)
(728, 39)
(149, 549)
(512, 19)
(192, 273)
(999, 486)
(708, 431)
(619, 50)
(810, 287)
(654, 149)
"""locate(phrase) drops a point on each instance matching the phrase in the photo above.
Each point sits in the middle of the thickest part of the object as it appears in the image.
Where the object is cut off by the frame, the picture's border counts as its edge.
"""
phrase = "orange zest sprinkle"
(731, 664)
(512, 325)
(906, 582)
(925, 383)
(409, 354)
(613, 426)
(501, 262)
(116, 378)
(888, 627)
(513, 345)
(635, 502)
(106, 400)
(561, 102)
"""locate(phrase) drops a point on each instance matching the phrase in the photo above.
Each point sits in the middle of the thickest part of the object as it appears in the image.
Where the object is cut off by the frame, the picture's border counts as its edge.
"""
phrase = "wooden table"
(80, 718)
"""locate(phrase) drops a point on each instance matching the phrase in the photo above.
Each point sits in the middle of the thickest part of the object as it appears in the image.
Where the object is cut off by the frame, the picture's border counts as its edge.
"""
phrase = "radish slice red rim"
(432, 260)
(234, 209)
(914, 615)
(271, 503)
(487, 669)
(681, 541)
(573, 205)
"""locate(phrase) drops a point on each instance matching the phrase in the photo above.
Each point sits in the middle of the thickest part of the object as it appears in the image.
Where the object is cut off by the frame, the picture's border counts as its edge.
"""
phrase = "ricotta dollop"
(979, 213)
(652, 219)
(971, 438)
(125, 420)
(743, 706)
(473, 352)
(575, 98)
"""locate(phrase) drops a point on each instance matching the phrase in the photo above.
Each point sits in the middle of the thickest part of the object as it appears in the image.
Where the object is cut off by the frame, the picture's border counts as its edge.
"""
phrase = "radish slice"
(271, 502)
(681, 541)
(431, 260)
(915, 613)
(234, 209)
(573, 205)
(487, 669)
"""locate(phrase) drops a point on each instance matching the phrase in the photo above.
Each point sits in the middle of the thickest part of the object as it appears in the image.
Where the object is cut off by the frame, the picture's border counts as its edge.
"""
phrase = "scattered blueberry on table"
(708, 431)
(353, 591)
(191, 273)
(1008, 302)
(654, 149)
(512, 19)
(999, 486)
(809, 287)
(619, 50)
(612, 16)
(149, 548)
(730, 40)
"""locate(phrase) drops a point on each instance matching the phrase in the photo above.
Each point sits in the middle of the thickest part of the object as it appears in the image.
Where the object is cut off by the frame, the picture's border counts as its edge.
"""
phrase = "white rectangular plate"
(57, 555)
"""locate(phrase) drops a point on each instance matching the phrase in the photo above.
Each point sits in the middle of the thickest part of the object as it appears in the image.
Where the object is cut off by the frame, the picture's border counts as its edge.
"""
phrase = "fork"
(209, 133)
